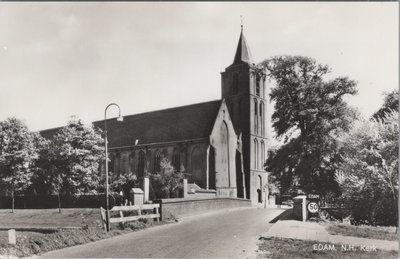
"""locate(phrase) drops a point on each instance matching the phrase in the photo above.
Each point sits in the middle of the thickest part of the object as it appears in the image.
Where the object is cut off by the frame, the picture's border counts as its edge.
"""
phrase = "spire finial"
(241, 23)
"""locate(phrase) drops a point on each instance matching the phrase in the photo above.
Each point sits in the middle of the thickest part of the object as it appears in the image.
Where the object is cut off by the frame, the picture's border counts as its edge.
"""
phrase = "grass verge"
(31, 243)
(293, 248)
(384, 233)
(50, 218)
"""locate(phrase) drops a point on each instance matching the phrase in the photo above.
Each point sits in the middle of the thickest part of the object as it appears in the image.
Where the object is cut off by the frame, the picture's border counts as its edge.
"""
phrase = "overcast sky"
(63, 59)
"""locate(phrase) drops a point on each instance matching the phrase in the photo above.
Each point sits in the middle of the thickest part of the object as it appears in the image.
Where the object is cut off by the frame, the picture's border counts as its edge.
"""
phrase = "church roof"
(49, 133)
(174, 124)
(243, 53)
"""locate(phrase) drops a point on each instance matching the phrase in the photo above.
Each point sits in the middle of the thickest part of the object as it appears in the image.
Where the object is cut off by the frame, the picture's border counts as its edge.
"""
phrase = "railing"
(138, 208)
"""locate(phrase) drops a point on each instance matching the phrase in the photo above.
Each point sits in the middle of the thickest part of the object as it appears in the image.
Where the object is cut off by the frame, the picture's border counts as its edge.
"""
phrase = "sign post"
(312, 204)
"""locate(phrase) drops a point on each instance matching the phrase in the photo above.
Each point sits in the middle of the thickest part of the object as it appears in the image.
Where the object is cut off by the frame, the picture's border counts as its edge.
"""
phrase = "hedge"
(51, 201)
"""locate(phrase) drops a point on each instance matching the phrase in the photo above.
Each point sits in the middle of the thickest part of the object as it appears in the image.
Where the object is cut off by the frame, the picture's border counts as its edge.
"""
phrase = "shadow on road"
(286, 215)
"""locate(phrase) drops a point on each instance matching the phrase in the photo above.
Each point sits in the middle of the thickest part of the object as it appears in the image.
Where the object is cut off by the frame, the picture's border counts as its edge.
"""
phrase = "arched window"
(176, 159)
(262, 154)
(197, 167)
(141, 164)
(132, 161)
(255, 116)
(117, 164)
(259, 191)
(258, 86)
(111, 163)
(235, 83)
(262, 121)
(157, 161)
(263, 89)
(184, 158)
(225, 148)
(255, 154)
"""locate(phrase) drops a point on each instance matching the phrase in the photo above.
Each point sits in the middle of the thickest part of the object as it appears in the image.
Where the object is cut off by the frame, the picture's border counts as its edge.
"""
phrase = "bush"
(133, 225)
(168, 182)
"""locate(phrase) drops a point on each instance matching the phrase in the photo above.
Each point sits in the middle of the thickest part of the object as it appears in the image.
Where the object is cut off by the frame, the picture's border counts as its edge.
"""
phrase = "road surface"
(230, 233)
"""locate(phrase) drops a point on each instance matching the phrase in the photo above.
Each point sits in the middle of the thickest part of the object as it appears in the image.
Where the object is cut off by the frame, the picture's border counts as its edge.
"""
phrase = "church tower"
(243, 88)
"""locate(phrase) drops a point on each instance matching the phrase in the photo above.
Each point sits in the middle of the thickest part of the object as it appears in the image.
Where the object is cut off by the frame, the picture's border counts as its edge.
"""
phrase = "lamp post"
(106, 158)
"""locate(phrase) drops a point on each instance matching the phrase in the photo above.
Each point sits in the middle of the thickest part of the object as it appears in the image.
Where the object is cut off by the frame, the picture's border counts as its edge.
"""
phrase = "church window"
(184, 157)
(255, 154)
(225, 149)
(235, 83)
(132, 161)
(258, 86)
(262, 154)
(157, 161)
(259, 190)
(224, 144)
(263, 90)
(111, 163)
(255, 116)
(197, 166)
(262, 120)
(176, 160)
(141, 164)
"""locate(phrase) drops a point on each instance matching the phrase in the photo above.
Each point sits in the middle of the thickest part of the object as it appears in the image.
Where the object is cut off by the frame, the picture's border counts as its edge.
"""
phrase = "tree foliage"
(76, 152)
(368, 175)
(18, 152)
(168, 181)
(309, 114)
(45, 170)
(124, 183)
(390, 103)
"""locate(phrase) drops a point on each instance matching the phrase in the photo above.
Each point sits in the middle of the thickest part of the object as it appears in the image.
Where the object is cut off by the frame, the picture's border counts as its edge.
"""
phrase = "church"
(220, 145)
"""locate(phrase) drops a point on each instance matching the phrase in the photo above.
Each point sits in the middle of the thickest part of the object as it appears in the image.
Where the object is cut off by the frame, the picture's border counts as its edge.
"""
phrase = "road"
(231, 233)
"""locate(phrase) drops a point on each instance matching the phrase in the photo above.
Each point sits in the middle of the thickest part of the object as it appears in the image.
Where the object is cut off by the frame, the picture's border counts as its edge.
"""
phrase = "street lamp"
(120, 118)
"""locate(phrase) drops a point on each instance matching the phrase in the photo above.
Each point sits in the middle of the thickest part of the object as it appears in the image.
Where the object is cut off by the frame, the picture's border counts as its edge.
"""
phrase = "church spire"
(243, 53)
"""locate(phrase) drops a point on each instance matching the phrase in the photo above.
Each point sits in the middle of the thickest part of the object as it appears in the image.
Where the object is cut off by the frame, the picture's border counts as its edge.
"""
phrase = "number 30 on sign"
(313, 207)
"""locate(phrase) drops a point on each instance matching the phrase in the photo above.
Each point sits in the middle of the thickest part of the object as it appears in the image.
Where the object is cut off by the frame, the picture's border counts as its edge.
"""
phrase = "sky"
(65, 59)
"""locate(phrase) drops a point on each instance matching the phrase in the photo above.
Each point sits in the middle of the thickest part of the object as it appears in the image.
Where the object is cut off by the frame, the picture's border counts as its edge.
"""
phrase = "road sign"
(312, 207)
(312, 196)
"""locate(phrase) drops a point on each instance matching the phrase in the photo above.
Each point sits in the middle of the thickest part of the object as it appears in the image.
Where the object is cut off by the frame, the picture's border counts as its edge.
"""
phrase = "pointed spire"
(243, 53)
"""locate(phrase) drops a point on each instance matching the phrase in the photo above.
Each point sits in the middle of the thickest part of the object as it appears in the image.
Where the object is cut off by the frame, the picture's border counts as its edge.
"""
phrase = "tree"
(124, 183)
(168, 181)
(309, 115)
(18, 151)
(390, 103)
(368, 175)
(77, 151)
(47, 178)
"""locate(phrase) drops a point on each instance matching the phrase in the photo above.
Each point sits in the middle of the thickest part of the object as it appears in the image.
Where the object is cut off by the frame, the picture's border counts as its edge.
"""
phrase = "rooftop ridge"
(162, 110)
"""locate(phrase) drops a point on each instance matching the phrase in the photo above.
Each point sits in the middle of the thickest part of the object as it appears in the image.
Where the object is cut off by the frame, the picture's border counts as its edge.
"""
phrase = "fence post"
(185, 188)
(146, 189)
(11, 237)
(103, 218)
(304, 208)
(158, 218)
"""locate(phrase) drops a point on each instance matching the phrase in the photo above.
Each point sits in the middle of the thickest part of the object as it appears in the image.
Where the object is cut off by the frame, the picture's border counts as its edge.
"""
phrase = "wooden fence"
(154, 214)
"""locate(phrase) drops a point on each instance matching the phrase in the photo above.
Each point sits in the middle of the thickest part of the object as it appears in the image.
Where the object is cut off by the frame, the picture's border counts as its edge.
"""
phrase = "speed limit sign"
(313, 207)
